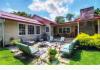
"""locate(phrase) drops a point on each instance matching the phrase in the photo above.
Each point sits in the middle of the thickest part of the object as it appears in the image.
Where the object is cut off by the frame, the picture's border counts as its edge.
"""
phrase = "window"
(30, 29)
(37, 29)
(22, 29)
(47, 29)
(67, 30)
(60, 30)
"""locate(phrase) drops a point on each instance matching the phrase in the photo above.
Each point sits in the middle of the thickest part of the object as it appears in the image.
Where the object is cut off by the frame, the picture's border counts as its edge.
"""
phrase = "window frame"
(46, 29)
(30, 29)
(61, 30)
(39, 30)
(66, 30)
(19, 29)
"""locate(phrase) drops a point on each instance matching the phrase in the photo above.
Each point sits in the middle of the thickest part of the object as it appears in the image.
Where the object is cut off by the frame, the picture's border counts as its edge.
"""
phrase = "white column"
(98, 26)
(78, 27)
(3, 32)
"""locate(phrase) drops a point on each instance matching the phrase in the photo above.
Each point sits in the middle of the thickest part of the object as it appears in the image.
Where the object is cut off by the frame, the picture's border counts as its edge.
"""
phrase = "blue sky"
(48, 8)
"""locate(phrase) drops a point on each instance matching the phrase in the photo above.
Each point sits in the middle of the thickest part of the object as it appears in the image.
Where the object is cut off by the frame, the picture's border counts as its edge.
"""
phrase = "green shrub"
(52, 51)
(14, 41)
(52, 54)
(87, 41)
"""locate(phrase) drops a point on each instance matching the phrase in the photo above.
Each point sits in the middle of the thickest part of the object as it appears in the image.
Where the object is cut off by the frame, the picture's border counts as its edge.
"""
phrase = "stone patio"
(42, 60)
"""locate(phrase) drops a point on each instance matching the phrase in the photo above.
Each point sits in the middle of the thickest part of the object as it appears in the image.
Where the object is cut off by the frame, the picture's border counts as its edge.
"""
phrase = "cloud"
(53, 7)
(9, 10)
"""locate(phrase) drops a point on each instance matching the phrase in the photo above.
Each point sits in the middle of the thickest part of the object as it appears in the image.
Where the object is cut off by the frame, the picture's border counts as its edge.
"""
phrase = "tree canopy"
(22, 14)
(97, 11)
(69, 16)
(60, 19)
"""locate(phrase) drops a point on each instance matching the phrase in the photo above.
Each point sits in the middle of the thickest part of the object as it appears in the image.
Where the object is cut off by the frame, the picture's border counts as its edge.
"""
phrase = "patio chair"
(27, 41)
(51, 38)
(62, 39)
(29, 50)
(68, 48)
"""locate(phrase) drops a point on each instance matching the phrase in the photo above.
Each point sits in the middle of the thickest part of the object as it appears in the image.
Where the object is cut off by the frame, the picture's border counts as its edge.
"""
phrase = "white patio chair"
(51, 38)
(62, 39)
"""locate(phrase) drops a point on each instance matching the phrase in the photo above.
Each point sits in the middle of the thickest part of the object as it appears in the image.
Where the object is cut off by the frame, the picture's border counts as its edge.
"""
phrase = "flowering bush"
(86, 40)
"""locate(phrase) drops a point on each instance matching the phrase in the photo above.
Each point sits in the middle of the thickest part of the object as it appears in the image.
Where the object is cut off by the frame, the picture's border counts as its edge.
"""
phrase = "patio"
(43, 54)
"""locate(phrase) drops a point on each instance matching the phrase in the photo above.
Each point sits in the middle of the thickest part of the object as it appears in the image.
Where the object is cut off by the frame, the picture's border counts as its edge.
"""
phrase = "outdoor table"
(39, 54)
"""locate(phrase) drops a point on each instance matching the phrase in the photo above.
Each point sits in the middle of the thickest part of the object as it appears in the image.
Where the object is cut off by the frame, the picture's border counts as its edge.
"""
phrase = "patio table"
(39, 54)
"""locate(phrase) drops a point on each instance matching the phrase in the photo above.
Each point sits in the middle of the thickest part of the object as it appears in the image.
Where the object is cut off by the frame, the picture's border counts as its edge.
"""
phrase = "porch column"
(78, 27)
(98, 26)
(3, 32)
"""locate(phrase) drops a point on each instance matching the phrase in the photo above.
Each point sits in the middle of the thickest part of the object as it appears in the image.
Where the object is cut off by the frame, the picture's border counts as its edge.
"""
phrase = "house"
(17, 26)
(88, 23)
(68, 29)
(73, 28)
(48, 25)
(90, 26)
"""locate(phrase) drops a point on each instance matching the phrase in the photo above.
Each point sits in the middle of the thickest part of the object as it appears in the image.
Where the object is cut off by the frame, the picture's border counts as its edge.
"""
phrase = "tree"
(60, 19)
(22, 14)
(97, 11)
(69, 16)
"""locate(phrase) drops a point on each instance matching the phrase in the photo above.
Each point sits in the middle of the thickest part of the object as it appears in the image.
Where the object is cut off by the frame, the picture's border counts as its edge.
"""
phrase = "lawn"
(85, 58)
(6, 58)
(79, 58)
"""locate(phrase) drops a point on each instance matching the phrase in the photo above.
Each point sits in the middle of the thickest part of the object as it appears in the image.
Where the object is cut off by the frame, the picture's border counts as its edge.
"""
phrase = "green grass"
(85, 58)
(79, 58)
(6, 58)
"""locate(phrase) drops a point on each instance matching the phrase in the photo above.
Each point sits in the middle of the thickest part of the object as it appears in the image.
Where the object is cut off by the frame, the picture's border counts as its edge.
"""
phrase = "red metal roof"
(43, 20)
(95, 17)
(6, 15)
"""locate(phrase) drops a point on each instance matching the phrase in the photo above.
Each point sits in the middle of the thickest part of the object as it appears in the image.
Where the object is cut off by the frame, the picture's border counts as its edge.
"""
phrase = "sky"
(48, 8)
